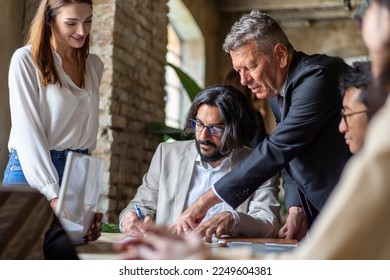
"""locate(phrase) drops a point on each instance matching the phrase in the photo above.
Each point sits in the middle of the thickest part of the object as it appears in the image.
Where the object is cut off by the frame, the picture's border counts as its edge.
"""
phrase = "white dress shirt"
(203, 178)
(50, 117)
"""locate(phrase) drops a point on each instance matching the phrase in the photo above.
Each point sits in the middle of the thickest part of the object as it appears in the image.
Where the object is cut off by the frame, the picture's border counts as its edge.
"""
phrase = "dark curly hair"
(235, 111)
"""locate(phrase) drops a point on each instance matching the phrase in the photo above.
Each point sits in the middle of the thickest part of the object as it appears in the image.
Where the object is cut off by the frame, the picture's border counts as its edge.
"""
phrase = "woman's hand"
(95, 230)
(53, 203)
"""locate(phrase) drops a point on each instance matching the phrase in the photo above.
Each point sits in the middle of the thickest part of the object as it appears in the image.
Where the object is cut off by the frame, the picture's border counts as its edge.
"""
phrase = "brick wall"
(130, 36)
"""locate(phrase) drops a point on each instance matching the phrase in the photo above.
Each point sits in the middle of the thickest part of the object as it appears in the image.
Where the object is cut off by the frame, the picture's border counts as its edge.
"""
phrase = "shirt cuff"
(215, 192)
(120, 226)
(51, 191)
(236, 221)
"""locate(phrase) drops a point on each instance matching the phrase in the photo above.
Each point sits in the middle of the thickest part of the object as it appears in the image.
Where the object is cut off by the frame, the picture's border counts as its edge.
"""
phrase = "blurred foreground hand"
(159, 244)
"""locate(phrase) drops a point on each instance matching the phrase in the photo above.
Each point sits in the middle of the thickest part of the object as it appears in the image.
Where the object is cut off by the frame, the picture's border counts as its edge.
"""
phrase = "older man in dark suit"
(306, 145)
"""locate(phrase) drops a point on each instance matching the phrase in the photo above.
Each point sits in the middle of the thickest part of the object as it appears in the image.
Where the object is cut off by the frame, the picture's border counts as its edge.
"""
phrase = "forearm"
(260, 215)
(264, 225)
(208, 199)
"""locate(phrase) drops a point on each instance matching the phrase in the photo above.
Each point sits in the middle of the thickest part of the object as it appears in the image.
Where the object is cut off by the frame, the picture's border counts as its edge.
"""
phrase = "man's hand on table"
(296, 224)
(195, 213)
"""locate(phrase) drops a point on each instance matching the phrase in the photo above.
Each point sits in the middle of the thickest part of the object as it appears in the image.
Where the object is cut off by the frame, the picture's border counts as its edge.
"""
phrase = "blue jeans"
(13, 174)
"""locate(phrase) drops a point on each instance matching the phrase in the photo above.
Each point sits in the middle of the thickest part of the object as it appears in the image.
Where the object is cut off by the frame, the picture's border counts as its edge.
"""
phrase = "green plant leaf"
(159, 128)
(191, 87)
(110, 228)
(166, 131)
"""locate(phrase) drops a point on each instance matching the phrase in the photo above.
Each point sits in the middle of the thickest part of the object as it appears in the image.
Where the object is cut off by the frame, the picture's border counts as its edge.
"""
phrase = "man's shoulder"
(319, 60)
(177, 145)
(171, 151)
(321, 66)
(242, 152)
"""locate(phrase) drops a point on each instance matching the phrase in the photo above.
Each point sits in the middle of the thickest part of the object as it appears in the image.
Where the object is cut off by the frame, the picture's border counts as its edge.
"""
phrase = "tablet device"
(79, 194)
(262, 249)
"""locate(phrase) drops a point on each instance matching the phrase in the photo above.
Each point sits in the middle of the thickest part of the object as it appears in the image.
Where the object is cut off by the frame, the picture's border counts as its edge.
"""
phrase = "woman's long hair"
(39, 39)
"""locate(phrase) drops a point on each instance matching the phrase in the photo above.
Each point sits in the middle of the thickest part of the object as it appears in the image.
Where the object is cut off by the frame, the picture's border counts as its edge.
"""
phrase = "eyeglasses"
(345, 116)
(196, 125)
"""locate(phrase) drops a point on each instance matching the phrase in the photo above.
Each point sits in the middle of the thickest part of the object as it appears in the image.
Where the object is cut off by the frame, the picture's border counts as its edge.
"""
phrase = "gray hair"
(259, 27)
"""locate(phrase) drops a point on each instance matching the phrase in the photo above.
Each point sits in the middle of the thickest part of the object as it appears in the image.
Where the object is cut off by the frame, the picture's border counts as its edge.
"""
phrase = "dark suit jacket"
(306, 142)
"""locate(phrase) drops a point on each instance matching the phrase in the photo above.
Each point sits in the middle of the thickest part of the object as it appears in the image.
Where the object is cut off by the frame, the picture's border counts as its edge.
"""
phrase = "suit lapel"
(293, 69)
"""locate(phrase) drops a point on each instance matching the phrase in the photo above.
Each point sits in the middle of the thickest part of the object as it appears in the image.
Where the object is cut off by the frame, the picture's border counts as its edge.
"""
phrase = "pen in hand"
(139, 213)
(140, 216)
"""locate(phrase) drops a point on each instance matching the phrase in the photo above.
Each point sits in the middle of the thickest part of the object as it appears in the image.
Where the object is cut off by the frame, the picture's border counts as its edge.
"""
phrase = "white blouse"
(50, 117)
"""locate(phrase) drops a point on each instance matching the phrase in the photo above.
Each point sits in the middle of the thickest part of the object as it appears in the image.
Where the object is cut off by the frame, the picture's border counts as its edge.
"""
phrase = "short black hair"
(358, 76)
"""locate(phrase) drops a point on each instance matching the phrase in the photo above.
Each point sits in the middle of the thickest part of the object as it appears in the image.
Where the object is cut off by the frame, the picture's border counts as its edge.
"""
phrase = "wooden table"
(103, 247)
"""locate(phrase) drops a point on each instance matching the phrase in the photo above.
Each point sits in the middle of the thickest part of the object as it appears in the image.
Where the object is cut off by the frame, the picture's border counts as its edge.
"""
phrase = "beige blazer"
(165, 186)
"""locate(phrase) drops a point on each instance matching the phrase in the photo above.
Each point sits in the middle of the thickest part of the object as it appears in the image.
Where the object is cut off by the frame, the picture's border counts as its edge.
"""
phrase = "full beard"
(217, 155)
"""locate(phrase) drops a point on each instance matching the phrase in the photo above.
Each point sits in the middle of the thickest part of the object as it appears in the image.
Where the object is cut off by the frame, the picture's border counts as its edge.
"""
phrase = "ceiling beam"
(310, 14)
(280, 5)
